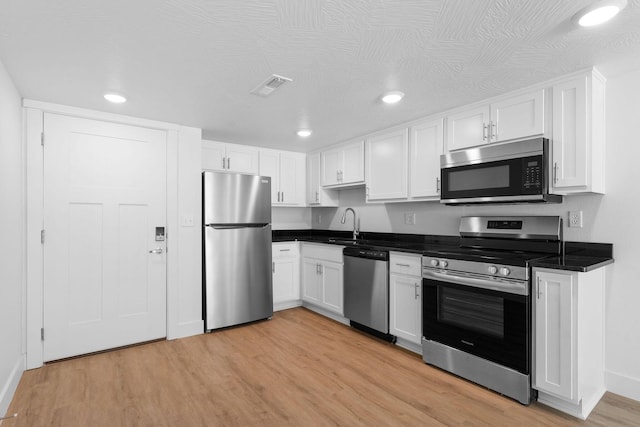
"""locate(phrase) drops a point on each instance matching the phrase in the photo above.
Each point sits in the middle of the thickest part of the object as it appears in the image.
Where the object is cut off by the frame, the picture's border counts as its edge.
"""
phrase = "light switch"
(187, 220)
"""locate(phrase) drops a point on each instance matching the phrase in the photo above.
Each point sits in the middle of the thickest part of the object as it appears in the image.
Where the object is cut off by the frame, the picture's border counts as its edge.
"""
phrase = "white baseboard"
(11, 384)
(623, 385)
(326, 313)
(187, 329)
(408, 345)
(285, 305)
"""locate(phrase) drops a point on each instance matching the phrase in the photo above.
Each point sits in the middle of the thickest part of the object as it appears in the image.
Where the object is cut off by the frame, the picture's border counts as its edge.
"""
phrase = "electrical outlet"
(575, 219)
(409, 218)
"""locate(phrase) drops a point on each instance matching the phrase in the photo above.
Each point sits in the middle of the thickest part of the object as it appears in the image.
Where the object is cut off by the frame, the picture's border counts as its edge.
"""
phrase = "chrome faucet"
(356, 230)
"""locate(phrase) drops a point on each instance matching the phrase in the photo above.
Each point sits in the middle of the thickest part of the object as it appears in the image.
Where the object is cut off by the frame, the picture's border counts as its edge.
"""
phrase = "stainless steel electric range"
(476, 311)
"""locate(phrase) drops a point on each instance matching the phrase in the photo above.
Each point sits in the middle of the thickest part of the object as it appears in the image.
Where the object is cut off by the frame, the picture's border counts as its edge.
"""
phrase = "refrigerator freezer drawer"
(238, 282)
(236, 198)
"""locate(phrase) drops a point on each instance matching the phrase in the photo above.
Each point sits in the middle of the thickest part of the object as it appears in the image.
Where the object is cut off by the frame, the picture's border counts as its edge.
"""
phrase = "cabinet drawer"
(324, 252)
(402, 263)
(285, 250)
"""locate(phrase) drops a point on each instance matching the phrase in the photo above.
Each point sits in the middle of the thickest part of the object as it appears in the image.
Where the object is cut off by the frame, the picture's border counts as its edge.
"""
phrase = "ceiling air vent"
(267, 87)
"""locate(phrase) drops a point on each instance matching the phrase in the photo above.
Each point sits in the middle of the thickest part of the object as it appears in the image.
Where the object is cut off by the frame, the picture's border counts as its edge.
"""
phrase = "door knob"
(156, 251)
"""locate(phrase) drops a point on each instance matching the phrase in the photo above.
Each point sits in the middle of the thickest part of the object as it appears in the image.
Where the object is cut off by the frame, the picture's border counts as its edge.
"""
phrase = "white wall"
(11, 241)
(290, 218)
(612, 218)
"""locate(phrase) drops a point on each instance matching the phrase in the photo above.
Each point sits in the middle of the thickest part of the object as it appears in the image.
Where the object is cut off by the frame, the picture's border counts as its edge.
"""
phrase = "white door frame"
(33, 128)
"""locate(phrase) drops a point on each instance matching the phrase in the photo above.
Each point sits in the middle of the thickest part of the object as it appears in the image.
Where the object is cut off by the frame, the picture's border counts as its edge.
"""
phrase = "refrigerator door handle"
(236, 226)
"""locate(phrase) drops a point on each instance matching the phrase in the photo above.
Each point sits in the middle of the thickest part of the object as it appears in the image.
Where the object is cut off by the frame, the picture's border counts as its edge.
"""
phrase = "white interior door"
(104, 196)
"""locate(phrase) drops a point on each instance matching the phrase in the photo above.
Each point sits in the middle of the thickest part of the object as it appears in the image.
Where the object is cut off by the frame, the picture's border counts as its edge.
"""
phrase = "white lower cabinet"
(405, 299)
(568, 362)
(322, 281)
(286, 275)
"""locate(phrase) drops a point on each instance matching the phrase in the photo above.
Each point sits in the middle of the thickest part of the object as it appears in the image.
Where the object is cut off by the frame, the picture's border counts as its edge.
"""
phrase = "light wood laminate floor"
(297, 369)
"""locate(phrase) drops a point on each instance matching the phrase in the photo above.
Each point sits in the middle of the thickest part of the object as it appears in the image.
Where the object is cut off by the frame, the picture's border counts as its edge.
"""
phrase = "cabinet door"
(332, 287)
(292, 178)
(468, 128)
(570, 133)
(405, 307)
(285, 280)
(331, 165)
(353, 163)
(242, 159)
(387, 164)
(270, 166)
(311, 284)
(555, 333)
(213, 155)
(425, 149)
(313, 179)
(518, 117)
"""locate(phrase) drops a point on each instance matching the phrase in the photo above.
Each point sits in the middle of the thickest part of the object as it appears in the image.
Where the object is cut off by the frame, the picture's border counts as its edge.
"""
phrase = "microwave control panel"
(532, 172)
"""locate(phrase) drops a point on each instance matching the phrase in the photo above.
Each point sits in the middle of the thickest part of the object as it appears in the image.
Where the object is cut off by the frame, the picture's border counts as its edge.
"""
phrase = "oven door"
(490, 324)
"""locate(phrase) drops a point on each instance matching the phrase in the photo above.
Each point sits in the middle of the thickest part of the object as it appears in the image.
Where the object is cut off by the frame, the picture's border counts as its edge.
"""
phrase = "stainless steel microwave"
(513, 172)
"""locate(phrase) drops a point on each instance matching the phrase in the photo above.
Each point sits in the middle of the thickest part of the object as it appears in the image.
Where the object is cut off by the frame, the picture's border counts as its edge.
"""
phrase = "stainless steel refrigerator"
(237, 282)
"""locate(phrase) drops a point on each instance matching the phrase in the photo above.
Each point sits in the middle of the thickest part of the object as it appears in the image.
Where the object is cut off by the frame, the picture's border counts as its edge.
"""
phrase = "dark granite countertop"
(577, 256)
(572, 263)
(413, 243)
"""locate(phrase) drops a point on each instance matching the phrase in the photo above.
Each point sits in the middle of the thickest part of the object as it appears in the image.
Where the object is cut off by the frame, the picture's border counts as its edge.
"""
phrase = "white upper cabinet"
(387, 161)
(468, 128)
(343, 166)
(426, 144)
(287, 172)
(507, 118)
(578, 135)
(316, 194)
(518, 116)
(223, 157)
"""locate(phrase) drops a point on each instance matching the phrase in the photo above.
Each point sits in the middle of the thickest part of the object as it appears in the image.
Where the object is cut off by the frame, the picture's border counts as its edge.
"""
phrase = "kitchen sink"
(347, 242)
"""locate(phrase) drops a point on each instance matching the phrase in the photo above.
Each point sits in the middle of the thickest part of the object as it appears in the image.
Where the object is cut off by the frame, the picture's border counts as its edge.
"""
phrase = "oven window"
(472, 311)
(480, 178)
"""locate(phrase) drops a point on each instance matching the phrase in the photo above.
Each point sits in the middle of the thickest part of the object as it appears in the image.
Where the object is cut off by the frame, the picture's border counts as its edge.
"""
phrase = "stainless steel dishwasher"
(366, 290)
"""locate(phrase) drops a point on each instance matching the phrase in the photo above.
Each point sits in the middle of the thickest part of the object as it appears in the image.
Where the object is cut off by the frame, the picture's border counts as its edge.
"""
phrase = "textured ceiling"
(194, 62)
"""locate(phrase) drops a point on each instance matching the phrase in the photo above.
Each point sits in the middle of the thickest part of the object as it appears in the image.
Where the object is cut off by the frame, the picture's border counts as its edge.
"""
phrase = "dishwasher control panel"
(366, 253)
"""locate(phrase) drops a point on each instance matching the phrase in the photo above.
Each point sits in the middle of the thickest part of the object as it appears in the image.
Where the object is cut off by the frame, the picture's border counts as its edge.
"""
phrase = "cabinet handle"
(437, 185)
(228, 162)
(338, 176)
(341, 175)
(283, 196)
(492, 127)
(555, 172)
(403, 265)
(273, 267)
(416, 291)
(284, 250)
(317, 197)
(484, 132)
(223, 163)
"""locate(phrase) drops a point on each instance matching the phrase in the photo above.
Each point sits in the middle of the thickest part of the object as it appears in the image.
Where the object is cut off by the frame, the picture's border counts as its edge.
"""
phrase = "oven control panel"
(496, 271)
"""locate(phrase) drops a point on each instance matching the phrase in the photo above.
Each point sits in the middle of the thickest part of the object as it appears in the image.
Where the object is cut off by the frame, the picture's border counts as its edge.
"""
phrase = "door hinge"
(42, 334)
(42, 138)
(42, 236)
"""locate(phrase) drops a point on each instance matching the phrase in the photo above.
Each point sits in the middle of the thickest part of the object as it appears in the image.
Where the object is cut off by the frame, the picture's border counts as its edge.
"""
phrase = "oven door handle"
(511, 287)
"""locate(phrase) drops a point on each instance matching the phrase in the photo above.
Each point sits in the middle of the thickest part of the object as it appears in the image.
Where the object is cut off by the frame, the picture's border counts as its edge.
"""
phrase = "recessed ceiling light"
(304, 133)
(115, 98)
(599, 12)
(392, 97)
